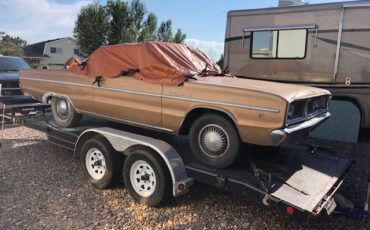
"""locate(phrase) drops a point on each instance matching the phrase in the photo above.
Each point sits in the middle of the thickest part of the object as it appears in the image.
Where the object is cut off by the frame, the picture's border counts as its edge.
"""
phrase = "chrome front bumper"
(279, 135)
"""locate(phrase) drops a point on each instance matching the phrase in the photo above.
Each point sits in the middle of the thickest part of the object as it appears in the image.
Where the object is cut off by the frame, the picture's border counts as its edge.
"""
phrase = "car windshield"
(10, 64)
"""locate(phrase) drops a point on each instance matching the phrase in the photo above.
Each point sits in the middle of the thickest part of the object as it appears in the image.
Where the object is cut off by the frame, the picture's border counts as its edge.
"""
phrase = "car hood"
(9, 76)
(289, 92)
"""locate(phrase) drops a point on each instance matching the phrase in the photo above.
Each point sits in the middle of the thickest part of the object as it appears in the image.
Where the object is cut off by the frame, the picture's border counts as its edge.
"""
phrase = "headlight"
(317, 104)
(291, 111)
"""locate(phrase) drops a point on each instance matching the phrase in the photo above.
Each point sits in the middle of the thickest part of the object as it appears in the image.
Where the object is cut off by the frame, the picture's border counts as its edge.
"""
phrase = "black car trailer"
(300, 180)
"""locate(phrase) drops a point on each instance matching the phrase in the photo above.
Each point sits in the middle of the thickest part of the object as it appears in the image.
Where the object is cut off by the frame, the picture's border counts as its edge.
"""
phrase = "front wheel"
(63, 112)
(146, 177)
(214, 141)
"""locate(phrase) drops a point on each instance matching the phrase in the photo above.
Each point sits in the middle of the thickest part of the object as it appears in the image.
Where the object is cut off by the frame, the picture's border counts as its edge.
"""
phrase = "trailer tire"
(101, 164)
(146, 178)
(214, 141)
(63, 112)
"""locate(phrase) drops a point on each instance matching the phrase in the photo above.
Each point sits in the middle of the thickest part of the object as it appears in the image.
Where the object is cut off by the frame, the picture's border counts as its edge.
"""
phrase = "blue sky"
(202, 20)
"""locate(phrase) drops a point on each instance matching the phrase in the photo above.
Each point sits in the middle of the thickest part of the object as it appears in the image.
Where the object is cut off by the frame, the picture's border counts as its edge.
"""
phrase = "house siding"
(67, 44)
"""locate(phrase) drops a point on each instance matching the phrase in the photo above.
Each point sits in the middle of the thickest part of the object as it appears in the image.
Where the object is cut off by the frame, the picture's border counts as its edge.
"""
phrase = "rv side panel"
(250, 54)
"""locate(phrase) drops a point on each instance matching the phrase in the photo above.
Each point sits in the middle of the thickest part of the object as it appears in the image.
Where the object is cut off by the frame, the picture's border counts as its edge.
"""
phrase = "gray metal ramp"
(309, 187)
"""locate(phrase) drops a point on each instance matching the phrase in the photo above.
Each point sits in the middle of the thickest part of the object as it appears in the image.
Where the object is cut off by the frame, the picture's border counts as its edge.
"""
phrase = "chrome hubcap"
(143, 179)
(62, 107)
(213, 140)
(95, 163)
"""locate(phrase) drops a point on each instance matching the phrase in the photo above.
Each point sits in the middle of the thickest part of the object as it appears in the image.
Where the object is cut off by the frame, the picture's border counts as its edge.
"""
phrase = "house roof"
(37, 49)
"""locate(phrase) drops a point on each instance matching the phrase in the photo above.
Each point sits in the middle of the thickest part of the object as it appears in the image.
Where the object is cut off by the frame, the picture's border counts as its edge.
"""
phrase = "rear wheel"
(146, 178)
(214, 141)
(101, 163)
(63, 112)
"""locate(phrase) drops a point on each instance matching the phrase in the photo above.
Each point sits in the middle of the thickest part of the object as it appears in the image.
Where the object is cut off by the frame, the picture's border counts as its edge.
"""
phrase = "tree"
(149, 30)
(137, 11)
(91, 28)
(179, 37)
(120, 22)
(220, 62)
(11, 46)
(164, 33)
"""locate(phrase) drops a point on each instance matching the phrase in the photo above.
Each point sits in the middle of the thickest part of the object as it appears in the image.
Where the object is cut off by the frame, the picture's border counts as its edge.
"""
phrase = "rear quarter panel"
(77, 88)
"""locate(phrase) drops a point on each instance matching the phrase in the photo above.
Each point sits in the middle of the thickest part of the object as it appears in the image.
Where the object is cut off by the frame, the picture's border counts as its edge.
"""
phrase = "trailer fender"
(122, 141)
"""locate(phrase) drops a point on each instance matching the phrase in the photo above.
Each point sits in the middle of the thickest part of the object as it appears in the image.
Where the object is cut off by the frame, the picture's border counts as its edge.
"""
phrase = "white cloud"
(212, 48)
(37, 20)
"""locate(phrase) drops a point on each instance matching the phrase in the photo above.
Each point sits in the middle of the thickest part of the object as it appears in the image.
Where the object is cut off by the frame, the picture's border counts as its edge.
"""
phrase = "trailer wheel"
(214, 141)
(101, 163)
(146, 178)
(63, 112)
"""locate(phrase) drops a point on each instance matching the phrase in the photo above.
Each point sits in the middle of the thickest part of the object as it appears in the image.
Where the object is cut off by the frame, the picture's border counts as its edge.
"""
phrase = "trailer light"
(181, 187)
(289, 211)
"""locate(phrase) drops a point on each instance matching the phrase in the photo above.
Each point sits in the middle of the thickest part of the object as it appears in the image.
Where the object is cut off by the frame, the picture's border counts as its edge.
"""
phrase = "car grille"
(10, 89)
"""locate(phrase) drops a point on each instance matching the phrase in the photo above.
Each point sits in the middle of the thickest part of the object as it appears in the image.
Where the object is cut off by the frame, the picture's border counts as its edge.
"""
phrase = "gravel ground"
(42, 187)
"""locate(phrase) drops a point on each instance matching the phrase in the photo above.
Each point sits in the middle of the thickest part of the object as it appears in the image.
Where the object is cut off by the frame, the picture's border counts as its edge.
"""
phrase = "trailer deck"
(298, 176)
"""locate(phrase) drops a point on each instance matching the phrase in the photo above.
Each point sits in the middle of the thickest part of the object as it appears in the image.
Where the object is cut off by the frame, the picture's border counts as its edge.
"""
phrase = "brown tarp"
(157, 62)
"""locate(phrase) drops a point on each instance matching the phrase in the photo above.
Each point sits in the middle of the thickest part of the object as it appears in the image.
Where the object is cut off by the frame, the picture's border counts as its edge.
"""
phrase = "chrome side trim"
(126, 121)
(230, 115)
(223, 103)
(129, 91)
(165, 96)
(57, 82)
(45, 97)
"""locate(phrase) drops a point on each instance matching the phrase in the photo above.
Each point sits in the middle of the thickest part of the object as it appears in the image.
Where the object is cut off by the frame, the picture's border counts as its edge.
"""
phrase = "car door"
(129, 100)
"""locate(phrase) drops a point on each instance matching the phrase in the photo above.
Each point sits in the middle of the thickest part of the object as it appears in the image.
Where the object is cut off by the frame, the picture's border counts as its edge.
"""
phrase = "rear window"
(9, 64)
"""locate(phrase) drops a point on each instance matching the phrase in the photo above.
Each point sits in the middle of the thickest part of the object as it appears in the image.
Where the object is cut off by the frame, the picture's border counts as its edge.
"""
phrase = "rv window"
(292, 43)
(279, 44)
(264, 44)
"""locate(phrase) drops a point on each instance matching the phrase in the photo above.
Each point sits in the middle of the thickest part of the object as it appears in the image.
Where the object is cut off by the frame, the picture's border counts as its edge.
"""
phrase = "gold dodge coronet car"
(217, 111)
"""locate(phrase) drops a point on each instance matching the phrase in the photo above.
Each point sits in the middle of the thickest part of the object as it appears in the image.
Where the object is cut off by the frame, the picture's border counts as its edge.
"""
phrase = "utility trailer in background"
(299, 179)
(322, 45)
(14, 109)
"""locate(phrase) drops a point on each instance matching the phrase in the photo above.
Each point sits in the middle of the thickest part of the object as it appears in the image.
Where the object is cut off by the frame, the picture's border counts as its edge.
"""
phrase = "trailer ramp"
(307, 180)
(294, 175)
